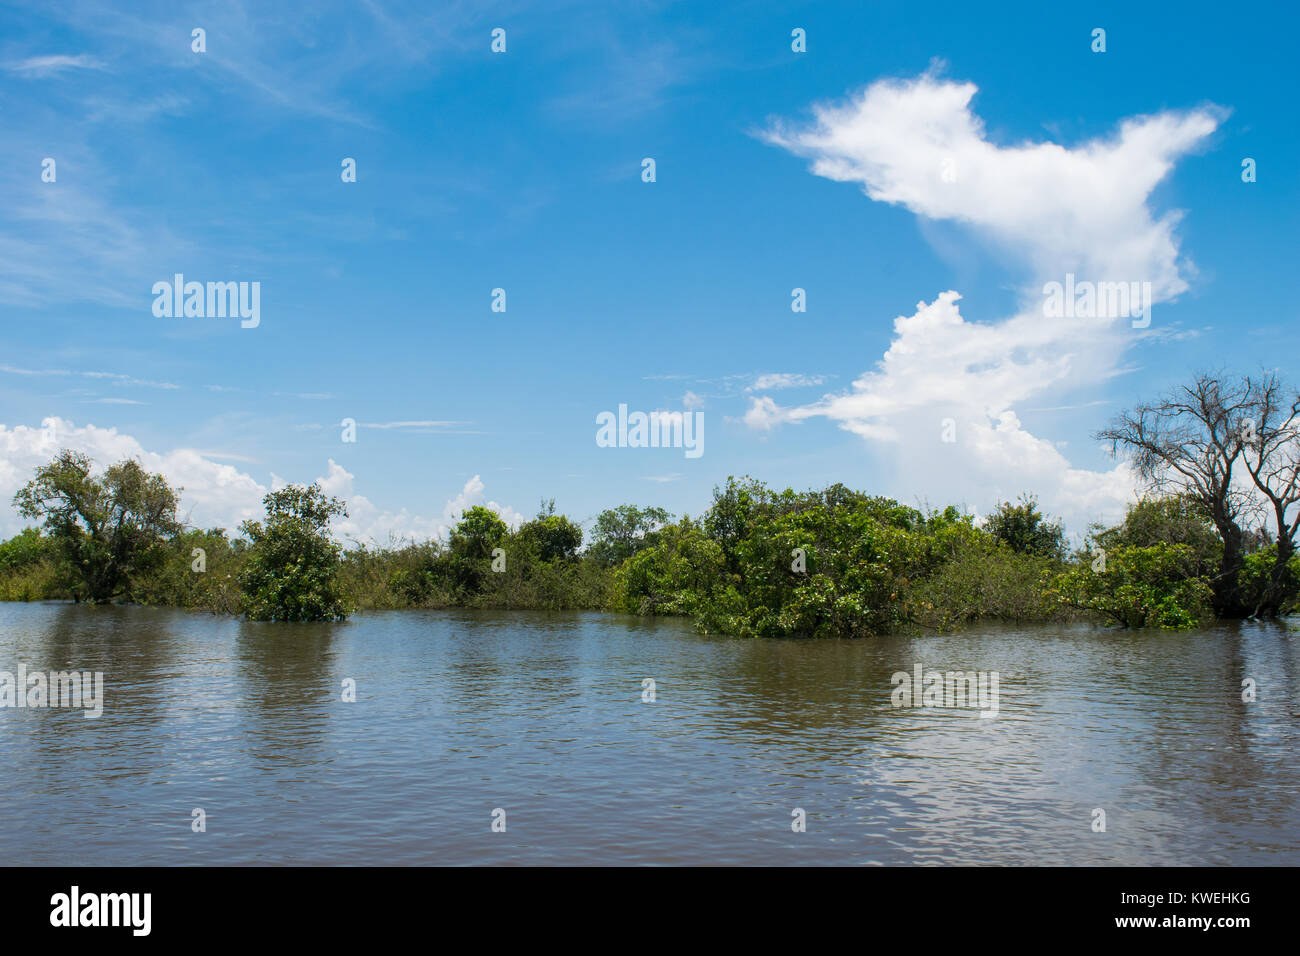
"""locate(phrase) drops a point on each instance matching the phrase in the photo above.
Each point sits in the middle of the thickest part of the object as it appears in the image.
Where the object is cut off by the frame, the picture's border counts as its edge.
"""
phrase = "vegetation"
(833, 563)
(1021, 528)
(291, 573)
(1215, 536)
(1229, 446)
(105, 533)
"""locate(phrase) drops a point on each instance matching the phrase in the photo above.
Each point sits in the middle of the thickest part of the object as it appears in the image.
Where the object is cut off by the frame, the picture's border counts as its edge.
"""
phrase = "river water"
(459, 714)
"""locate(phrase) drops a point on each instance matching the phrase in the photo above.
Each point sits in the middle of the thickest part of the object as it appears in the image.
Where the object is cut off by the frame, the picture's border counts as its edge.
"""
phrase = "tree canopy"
(107, 530)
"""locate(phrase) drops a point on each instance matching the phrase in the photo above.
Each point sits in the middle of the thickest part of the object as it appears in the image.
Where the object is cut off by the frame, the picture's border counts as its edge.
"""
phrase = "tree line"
(1214, 537)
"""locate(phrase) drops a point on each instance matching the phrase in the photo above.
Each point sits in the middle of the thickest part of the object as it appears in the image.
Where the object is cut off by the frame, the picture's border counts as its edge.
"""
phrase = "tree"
(479, 531)
(1271, 453)
(1229, 444)
(291, 573)
(1172, 519)
(1155, 586)
(624, 531)
(472, 542)
(107, 530)
(1025, 530)
(553, 536)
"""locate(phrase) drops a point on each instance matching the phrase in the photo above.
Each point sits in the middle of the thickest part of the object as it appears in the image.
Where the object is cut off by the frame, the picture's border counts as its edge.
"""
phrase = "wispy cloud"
(225, 456)
(777, 380)
(41, 66)
(116, 378)
(420, 424)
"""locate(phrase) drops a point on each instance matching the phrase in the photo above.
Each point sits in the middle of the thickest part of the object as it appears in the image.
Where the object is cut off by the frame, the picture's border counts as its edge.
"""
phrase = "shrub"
(1154, 586)
(292, 569)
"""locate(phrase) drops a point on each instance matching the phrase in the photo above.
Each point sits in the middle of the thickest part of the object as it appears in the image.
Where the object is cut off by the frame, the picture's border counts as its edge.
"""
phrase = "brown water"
(541, 715)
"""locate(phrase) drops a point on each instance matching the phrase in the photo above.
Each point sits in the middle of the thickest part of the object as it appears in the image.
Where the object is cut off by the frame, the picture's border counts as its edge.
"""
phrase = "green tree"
(1171, 519)
(471, 543)
(24, 549)
(1025, 530)
(621, 532)
(291, 572)
(478, 532)
(1155, 586)
(109, 531)
(553, 537)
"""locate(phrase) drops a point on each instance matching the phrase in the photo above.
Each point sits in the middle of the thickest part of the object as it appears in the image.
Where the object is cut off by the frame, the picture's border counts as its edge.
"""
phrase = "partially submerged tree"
(291, 573)
(107, 530)
(1271, 454)
(1229, 445)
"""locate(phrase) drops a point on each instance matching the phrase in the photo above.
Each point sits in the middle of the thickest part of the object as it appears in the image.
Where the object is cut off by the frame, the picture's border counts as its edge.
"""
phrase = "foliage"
(108, 531)
(553, 537)
(1231, 445)
(832, 563)
(1173, 519)
(828, 563)
(30, 568)
(1154, 586)
(1023, 528)
(621, 532)
(1258, 575)
(291, 573)
(201, 572)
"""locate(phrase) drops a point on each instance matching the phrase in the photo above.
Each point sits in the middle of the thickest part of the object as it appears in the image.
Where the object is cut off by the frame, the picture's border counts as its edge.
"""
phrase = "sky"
(920, 172)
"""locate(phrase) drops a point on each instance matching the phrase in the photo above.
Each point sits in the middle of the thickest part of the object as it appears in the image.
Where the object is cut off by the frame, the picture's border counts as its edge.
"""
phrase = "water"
(459, 713)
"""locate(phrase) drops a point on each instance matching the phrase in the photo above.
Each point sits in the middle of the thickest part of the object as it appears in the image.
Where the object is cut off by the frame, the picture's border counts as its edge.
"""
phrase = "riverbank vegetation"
(759, 562)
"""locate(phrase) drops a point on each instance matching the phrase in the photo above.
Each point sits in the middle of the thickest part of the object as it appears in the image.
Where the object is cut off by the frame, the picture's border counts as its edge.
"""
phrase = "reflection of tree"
(136, 649)
(825, 696)
(497, 662)
(289, 686)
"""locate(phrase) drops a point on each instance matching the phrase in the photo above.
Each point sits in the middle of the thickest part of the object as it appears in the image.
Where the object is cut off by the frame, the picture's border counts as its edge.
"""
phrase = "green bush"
(831, 563)
(1155, 586)
(292, 569)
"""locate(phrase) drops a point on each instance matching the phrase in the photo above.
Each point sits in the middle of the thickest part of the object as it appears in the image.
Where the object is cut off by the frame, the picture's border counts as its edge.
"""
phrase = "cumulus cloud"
(916, 143)
(216, 494)
(1054, 209)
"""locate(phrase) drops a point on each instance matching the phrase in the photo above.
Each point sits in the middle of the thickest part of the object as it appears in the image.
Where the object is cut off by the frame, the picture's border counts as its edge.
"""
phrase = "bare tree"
(1271, 454)
(1229, 444)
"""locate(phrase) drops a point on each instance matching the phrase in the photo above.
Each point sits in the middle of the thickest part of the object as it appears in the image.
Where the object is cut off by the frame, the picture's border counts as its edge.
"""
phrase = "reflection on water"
(541, 714)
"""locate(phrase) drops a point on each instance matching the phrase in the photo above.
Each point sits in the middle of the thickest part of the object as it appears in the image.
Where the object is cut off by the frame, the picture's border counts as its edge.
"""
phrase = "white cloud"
(776, 380)
(1084, 209)
(216, 494)
(1054, 210)
(418, 424)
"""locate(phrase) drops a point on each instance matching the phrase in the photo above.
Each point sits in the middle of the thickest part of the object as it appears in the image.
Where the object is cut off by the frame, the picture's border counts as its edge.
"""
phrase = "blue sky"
(522, 171)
